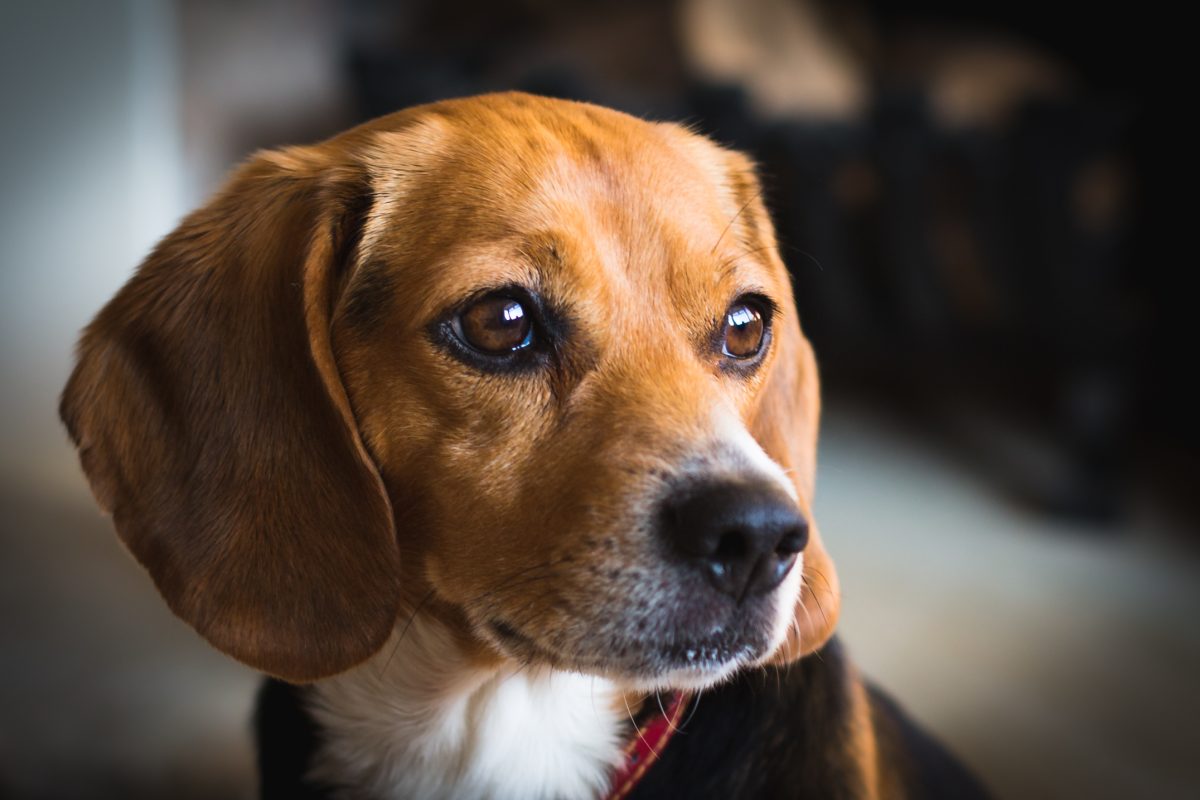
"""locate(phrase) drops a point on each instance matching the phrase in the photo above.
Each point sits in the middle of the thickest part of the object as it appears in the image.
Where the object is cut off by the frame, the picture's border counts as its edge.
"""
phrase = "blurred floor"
(1058, 661)
(103, 693)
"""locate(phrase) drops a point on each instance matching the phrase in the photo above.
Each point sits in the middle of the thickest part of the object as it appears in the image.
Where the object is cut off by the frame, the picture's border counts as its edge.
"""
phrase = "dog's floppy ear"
(785, 424)
(212, 423)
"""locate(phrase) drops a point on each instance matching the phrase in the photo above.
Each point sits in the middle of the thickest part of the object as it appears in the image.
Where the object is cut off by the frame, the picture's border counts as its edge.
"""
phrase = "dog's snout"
(744, 537)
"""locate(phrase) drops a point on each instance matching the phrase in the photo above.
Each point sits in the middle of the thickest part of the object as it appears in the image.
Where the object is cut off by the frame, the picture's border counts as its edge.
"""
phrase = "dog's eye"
(744, 330)
(495, 325)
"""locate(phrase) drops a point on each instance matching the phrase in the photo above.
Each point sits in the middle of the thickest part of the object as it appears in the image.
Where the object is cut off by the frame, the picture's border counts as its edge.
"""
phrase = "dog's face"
(529, 365)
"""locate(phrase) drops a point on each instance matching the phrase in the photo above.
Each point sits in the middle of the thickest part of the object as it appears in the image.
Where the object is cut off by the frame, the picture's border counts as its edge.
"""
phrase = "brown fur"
(295, 461)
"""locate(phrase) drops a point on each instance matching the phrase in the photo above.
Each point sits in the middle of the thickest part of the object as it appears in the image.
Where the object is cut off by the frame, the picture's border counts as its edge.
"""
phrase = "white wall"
(90, 177)
(118, 117)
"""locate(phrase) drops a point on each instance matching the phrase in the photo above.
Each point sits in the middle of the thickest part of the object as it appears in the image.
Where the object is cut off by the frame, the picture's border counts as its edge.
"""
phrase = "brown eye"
(496, 325)
(744, 329)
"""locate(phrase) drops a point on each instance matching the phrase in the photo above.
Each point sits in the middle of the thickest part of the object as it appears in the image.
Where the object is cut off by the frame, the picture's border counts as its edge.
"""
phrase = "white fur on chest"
(418, 722)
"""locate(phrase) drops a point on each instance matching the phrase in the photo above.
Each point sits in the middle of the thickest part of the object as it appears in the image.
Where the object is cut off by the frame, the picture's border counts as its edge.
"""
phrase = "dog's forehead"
(607, 199)
(498, 138)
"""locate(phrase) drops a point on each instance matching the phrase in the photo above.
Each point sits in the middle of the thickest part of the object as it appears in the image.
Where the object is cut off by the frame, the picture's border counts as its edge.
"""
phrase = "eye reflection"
(742, 316)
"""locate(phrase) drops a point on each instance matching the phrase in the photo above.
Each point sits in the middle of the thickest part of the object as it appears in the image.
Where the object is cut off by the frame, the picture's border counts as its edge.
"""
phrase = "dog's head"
(530, 365)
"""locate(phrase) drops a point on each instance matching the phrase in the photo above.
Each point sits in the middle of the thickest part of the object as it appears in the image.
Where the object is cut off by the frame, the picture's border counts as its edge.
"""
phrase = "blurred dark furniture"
(936, 268)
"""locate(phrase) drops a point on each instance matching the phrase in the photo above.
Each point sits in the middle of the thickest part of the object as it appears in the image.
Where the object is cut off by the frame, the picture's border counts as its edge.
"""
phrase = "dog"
(487, 430)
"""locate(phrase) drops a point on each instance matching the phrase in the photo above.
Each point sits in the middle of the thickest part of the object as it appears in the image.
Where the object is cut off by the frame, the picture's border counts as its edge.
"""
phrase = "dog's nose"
(744, 537)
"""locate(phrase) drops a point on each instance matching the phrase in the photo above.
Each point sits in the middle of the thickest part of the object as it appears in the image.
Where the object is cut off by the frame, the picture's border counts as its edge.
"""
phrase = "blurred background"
(972, 199)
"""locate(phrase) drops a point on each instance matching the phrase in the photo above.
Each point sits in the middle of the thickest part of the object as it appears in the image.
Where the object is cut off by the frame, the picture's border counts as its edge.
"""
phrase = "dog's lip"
(713, 653)
(702, 653)
(506, 631)
(522, 647)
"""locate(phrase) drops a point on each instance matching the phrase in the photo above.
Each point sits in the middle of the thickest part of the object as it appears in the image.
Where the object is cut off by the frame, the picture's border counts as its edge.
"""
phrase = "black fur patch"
(287, 739)
(370, 297)
(772, 733)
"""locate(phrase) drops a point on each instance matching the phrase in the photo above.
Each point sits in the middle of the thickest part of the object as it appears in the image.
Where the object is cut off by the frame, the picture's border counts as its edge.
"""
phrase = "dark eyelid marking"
(370, 296)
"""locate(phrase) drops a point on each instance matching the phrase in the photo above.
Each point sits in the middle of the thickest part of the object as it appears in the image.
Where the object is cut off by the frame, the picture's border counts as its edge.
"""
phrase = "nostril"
(732, 546)
(792, 541)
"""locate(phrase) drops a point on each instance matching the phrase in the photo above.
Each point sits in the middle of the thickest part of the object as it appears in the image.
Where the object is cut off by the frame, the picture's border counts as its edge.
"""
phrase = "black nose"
(743, 536)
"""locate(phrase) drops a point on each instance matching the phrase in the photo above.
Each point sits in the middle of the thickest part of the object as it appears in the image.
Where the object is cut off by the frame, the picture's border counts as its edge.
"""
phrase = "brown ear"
(785, 425)
(213, 425)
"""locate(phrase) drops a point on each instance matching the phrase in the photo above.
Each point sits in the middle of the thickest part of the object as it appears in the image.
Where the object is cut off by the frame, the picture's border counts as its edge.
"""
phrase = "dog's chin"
(642, 665)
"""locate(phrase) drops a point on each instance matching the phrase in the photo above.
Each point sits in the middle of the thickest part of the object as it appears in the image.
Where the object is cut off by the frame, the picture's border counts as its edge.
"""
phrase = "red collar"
(649, 740)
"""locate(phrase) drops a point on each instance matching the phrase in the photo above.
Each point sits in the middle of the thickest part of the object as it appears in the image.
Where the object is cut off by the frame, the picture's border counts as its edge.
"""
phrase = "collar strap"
(650, 737)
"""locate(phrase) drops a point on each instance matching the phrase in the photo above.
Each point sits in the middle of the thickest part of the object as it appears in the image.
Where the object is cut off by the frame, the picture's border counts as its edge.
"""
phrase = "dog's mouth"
(675, 663)
(655, 624)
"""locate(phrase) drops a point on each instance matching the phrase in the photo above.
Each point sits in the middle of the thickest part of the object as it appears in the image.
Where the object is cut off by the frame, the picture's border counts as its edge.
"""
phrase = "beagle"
(487, 430)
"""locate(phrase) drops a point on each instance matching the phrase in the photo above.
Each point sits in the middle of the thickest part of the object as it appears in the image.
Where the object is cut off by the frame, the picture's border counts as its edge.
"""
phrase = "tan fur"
(299, 466)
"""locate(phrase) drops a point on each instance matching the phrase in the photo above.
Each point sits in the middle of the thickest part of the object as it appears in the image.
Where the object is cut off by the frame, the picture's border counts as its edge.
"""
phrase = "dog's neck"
(425, 719)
